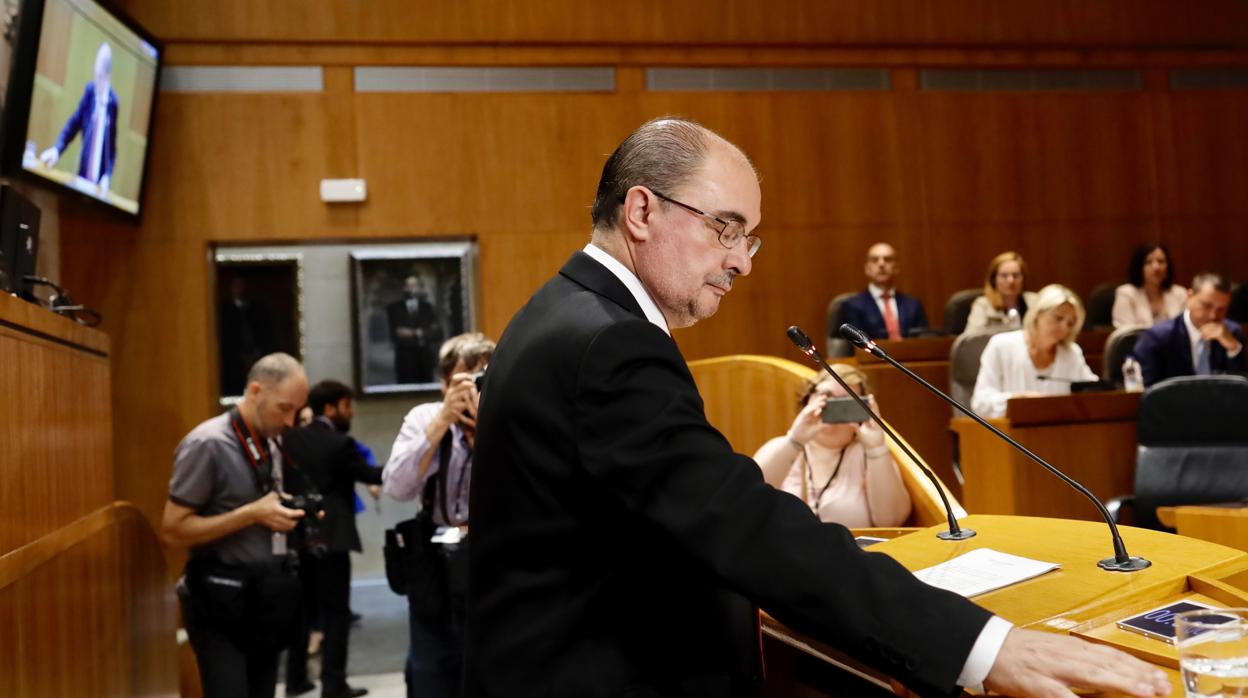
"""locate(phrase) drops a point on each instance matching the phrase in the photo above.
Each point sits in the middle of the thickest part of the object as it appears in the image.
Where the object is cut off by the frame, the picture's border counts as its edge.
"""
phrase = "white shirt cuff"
(984, 653)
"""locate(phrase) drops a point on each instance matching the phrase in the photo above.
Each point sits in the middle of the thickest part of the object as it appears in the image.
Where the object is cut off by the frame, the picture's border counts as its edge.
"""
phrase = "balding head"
(276, 388)
(660, 155)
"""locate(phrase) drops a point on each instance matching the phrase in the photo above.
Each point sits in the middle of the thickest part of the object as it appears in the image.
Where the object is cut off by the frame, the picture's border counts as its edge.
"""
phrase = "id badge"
(279, 544)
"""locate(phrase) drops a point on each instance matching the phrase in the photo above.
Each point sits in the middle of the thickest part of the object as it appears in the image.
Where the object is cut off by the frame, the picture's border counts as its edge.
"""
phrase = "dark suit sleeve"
(920, 315)
(110, 143)
(1239, 363)
(642, 433)
(1148, 352)
(851, 313)
(75, 122)
(352, 464)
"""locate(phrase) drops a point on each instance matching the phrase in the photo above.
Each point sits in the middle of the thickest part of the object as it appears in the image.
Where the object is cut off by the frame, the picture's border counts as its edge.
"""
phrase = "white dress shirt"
(878, 294)
(984, 652)
(632, 283)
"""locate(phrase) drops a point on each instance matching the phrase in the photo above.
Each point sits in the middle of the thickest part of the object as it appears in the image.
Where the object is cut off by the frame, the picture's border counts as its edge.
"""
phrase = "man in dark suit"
(330, 459)
(619, 546)
(881, 311)
(416, 333)
(96, 119)
(1201, 341)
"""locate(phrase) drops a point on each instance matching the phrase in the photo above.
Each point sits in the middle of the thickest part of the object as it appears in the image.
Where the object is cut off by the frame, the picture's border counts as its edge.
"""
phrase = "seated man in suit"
(1199, 342)
(621, 548)
(880, 310)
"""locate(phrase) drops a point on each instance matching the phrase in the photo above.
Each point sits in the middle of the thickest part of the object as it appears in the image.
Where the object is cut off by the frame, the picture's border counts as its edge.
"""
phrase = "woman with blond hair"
(842, 470)
(1040, 359)
(1004, 302)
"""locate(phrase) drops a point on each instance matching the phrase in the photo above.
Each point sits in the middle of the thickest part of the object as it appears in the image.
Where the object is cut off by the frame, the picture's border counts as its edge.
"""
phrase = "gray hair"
(661, 155)
(1209, 278)
(274, 368)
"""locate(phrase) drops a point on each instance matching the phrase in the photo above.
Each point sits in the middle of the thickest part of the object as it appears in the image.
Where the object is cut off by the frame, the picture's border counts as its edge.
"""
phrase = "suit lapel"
(1184, 348)
(873, 311)
(586, 271)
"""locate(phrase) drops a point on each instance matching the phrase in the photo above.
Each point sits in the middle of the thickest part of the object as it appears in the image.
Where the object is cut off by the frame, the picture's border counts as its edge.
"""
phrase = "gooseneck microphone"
(1120, 562)
(803, 343)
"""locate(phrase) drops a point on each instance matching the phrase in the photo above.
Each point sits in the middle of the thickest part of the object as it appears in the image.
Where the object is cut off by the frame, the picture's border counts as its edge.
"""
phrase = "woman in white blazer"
(1040, 359)
(1152, 295)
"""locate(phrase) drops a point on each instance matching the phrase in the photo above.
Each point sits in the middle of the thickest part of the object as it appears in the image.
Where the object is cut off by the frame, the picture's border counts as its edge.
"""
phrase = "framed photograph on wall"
(406, 300)
(259, 306)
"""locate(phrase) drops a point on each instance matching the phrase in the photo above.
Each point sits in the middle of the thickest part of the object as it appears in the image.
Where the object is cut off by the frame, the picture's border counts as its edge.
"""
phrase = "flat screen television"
(78, 112)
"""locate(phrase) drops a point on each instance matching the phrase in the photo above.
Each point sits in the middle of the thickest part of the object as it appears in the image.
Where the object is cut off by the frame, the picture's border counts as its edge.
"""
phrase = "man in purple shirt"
(438, 436)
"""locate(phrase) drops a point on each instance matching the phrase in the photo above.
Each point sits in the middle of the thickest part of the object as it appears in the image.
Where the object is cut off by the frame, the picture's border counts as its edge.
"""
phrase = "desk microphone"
(1120, 562)
(803, 342)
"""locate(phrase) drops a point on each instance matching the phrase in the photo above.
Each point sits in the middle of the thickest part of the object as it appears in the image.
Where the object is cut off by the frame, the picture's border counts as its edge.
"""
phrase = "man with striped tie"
(96, 119)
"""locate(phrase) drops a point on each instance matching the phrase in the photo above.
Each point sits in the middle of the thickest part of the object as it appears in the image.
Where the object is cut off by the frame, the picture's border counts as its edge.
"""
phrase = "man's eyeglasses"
(730, 232)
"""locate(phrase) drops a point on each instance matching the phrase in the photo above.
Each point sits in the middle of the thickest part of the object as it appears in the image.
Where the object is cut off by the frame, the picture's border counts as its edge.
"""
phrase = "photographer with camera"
(432, 460)
(227, 504)
(329, 457)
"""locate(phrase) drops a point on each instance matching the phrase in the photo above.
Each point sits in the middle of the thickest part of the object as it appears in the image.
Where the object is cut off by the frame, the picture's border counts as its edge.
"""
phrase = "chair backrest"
(751, 399)
(1193, 445)
(1238, 310)
(1100, 307)
(964, 362)
(926, 509)
(1118, 347)
(836, 345)
(958, 308)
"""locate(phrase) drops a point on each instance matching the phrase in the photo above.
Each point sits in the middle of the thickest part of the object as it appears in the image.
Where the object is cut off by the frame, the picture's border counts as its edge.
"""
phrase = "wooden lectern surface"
(1090, 437)
(1078, 598)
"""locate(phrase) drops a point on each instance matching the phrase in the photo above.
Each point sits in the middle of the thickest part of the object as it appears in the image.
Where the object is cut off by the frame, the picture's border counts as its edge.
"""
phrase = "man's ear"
(638, 207)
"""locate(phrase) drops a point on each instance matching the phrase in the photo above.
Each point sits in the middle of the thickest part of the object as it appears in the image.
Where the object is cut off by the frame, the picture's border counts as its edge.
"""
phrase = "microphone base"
(1131, 564)
(962, 534)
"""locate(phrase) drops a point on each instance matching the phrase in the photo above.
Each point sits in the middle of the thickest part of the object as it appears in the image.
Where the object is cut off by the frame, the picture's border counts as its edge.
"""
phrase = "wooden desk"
(1225, 524)
(1078, 598)
(921, 417)
(1088, 436)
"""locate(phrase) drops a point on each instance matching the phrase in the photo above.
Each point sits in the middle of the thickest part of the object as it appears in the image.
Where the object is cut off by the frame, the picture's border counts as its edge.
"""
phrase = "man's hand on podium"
(1046, 665)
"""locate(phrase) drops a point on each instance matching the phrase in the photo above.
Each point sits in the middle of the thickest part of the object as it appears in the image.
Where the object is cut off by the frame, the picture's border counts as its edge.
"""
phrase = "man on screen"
(96, 118)
(620, 547)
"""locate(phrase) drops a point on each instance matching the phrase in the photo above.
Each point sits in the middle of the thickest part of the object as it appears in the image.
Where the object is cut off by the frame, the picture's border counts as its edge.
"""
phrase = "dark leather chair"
(1193, 446)
(1100, 307)
(836, 345)
(1238, 310)
(958, 309)
(964, 363)
(1118, 347)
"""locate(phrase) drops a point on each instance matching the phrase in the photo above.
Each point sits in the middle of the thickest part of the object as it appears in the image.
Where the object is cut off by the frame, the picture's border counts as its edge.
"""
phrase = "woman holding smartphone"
(835, 459)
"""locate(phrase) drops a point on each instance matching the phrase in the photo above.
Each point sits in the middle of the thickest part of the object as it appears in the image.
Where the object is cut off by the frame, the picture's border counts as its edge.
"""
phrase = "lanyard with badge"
(261, 461)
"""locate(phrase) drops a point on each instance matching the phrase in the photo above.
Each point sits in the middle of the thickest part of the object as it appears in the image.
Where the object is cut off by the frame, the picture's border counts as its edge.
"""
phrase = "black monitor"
(78, 114)
(19, 241)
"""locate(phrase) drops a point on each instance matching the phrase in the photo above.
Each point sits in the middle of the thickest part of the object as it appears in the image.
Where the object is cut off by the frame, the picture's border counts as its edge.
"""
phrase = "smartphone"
(844, 409)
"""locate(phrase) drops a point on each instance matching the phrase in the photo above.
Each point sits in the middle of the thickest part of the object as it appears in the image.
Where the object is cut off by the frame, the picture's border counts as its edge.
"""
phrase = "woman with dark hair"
(1152, 295)
(1004, 302)
(843, 470)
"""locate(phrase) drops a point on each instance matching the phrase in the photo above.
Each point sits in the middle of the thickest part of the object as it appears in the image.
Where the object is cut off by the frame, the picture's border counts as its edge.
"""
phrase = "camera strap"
(254, 450)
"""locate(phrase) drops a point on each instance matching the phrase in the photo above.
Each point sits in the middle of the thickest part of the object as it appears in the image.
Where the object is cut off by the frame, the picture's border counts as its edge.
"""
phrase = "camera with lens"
(309, 535)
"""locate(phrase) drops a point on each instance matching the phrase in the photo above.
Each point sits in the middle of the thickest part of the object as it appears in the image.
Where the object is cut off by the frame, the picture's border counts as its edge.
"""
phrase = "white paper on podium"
(982, 570)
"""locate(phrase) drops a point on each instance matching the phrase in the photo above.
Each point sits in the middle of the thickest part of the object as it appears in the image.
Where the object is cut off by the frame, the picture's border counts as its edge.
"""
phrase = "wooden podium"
(1079, 598)
(1088, 436)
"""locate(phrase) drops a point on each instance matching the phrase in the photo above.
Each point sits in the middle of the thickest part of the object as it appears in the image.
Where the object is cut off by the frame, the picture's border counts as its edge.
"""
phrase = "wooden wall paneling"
(51, 477)
(1205, 220)
(1064, 179)
(705, 22)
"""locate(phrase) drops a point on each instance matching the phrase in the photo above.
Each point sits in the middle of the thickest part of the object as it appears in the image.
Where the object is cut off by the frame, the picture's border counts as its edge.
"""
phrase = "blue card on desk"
(1158, 623)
